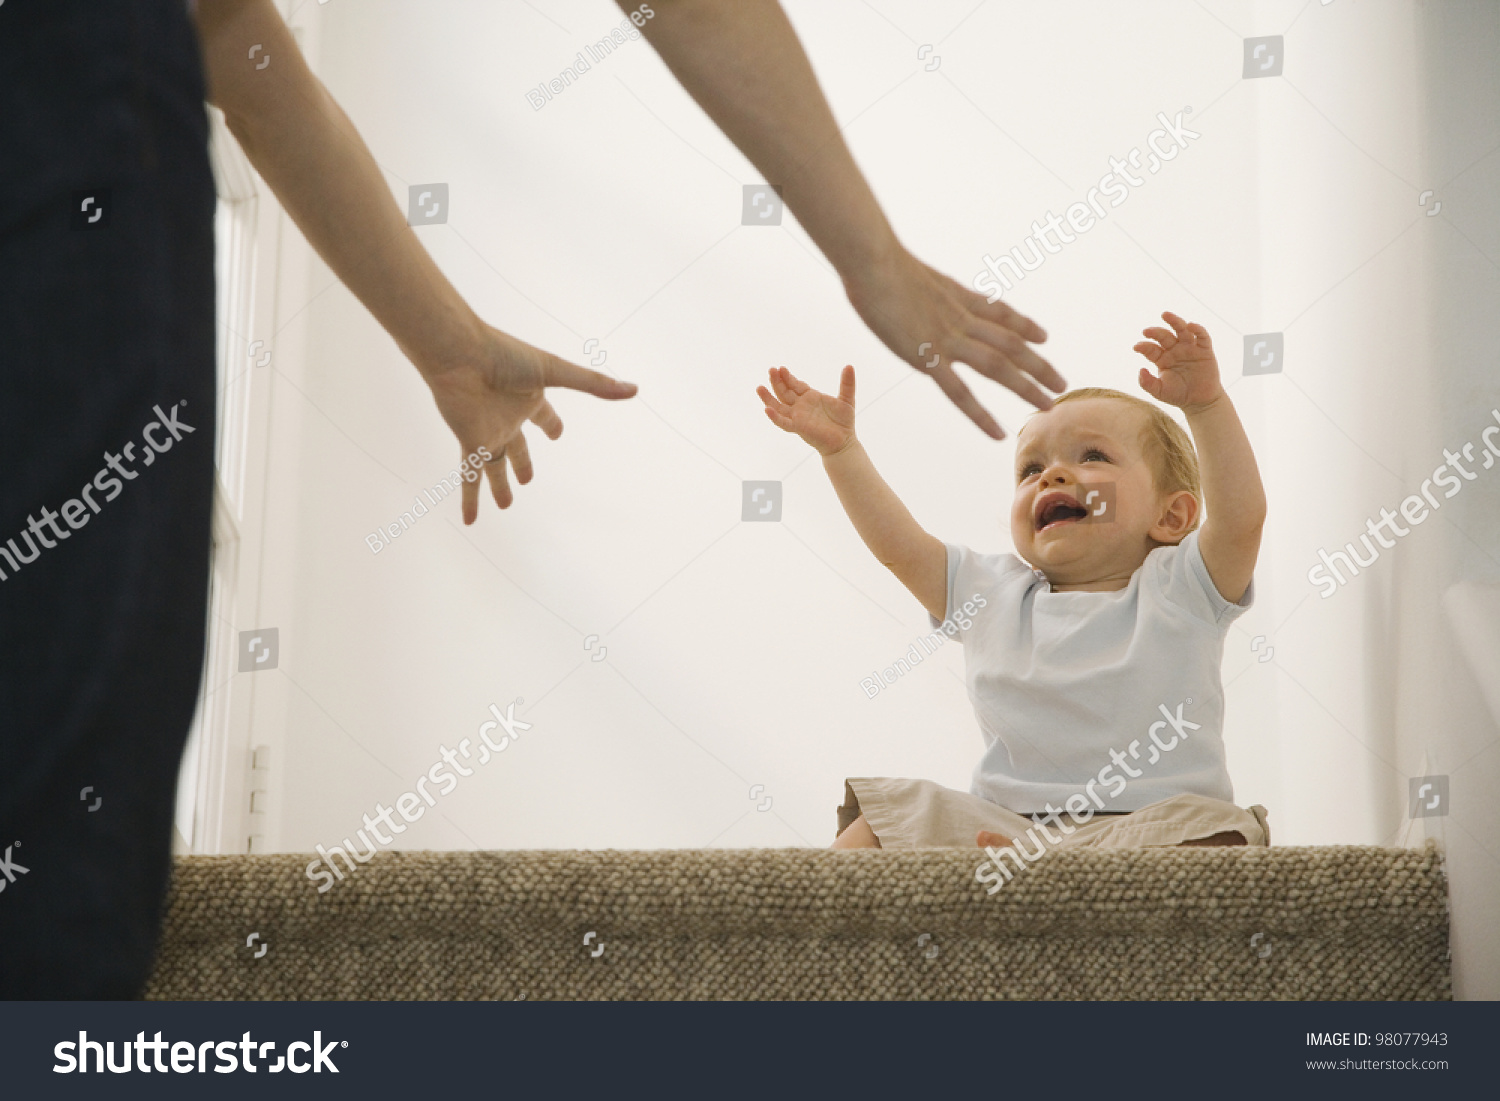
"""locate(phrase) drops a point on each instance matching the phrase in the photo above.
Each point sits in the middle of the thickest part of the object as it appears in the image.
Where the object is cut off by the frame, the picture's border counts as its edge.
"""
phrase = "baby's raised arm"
(919, 561)
(1189, 379)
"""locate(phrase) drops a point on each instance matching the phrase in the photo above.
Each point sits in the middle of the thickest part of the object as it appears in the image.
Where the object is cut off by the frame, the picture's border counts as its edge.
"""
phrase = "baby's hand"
(824, 423)
(1188, 372)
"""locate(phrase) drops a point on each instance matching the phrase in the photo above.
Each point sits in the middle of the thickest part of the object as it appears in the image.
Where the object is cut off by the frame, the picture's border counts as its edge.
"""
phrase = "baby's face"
(1063, 454)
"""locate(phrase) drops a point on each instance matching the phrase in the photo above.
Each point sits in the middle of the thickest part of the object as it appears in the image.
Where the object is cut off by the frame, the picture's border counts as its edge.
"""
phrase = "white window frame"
(208, 818)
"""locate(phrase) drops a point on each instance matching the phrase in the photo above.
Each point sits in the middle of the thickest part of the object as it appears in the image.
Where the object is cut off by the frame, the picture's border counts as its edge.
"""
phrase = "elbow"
(1246, 531)
(1246, 521)
(1242, 530)
(901, 567)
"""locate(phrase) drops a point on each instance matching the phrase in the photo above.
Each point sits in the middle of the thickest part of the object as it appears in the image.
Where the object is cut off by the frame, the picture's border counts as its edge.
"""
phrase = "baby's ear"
(1176, 519)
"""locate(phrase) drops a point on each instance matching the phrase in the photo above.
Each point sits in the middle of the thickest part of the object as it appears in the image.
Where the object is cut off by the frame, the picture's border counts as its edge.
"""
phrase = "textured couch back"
(1221, 923)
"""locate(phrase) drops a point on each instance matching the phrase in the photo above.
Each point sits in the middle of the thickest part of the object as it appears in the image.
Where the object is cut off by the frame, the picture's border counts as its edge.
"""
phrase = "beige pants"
(918, 814)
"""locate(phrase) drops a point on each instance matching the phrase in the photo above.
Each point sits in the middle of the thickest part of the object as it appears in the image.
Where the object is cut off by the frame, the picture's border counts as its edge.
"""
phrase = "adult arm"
(485, 382)
(742, 62)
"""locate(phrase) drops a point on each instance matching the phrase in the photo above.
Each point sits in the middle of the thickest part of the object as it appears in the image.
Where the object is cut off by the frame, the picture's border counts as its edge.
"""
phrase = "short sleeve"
(975, 581)
(1183, 578)
(955, 555)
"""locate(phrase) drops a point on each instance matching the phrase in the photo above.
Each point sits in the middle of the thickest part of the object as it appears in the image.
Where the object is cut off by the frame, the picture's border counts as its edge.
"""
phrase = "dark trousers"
(106, 329)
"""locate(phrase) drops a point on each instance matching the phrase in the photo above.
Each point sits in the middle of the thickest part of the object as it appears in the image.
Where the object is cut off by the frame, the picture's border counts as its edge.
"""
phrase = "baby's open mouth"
(1057, 508)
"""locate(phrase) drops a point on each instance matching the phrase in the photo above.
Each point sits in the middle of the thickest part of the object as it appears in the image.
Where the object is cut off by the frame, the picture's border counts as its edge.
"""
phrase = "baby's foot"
(988, 840)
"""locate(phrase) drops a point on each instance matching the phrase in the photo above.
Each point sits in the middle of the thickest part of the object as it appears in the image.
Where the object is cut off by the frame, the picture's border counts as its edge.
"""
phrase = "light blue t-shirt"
(1058, 680)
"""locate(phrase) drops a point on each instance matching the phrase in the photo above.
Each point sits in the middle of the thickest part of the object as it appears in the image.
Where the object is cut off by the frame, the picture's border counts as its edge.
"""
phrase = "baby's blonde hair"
(1169, 450)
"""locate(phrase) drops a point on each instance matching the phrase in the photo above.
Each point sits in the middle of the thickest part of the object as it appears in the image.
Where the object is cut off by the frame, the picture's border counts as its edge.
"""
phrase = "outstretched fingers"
(778, 406)
(1009, 343)
(994, 364)
(846, 384)
(1192, 338)
(780, 420)
(520, 458)
(547, 420)
(559, 372)
(787, 385)
(1003, 314)
(499, 483)
(961, 396)
(469, 493)
(1187, 330)
(774, 409)
(783, 395)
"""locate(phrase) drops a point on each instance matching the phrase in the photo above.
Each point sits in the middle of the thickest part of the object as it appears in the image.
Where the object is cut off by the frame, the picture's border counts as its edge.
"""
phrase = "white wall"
(734, 650)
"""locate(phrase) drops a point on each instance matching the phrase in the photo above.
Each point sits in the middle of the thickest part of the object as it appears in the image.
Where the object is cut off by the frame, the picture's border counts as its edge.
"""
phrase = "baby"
(1096, 646)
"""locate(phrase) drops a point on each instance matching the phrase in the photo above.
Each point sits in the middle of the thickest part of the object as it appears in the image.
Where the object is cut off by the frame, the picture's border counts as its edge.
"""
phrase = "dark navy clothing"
(106, 327)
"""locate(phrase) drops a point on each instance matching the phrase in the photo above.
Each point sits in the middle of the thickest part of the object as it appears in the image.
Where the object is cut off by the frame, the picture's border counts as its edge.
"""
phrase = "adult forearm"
(744, 65)
(309, 153)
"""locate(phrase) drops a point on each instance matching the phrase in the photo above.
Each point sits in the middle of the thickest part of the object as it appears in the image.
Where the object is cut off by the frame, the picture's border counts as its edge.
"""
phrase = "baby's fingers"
(783, 382)
(780, 420)
(780, 415)
(794, 384)
(1176, 322)
(846, 385)
(772, 405)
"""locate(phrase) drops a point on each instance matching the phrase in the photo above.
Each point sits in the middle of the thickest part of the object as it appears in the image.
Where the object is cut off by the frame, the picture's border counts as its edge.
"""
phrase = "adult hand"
(933, 322)
(486, 383)
(488, 392)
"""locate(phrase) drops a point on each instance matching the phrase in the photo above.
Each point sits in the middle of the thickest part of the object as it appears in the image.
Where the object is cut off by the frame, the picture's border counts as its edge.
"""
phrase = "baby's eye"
(1094, 454)
(1028, 470)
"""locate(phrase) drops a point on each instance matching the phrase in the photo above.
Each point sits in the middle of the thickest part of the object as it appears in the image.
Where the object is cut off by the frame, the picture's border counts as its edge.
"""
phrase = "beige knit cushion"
(1333, 923)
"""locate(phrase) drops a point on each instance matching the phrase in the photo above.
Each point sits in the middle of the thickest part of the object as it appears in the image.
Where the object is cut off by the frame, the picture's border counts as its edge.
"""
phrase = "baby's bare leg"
(858, 835)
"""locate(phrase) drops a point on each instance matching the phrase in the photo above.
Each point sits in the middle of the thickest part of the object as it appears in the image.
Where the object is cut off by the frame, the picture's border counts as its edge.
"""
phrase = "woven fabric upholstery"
(1335, 923)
